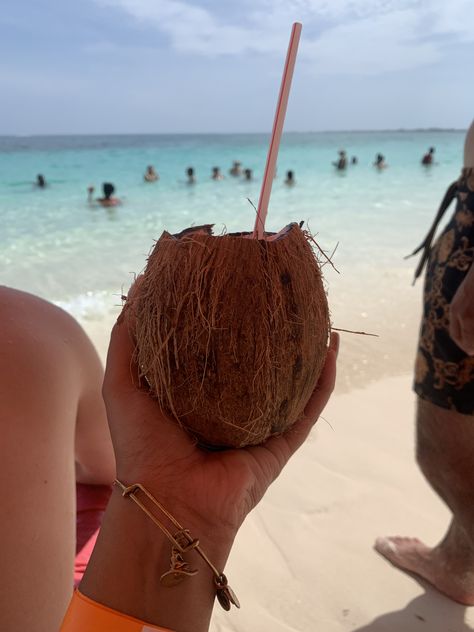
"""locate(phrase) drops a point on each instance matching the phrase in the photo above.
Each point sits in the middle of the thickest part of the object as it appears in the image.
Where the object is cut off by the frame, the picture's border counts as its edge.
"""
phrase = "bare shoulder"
(24, 315)
(40, 336)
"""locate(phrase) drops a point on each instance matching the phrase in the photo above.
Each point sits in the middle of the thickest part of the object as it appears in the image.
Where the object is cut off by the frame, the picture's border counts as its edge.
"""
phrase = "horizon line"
(330, 131)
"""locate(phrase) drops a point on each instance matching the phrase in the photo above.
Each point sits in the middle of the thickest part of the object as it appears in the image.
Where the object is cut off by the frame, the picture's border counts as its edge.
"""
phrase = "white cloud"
(455, 19)
(374, 45)
(340, 36)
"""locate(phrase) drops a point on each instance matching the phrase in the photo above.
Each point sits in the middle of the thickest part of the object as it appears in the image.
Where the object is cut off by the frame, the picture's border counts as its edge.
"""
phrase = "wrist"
(170, 515)
(132, 554)
(194, 508)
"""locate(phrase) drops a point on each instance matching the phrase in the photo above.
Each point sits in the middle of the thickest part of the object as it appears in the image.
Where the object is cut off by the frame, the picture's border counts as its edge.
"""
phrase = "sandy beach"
(304, 561)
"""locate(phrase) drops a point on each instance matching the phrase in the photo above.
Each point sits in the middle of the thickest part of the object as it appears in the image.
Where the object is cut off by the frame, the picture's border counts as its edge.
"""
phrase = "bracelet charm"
(181, 542)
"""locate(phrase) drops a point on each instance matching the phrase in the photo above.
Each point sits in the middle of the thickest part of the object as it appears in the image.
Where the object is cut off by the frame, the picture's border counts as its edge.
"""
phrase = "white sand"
(303, 560)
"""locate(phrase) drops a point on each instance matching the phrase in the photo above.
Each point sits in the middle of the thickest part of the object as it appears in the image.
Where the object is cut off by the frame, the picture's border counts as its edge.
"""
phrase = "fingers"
(121, 373)
(326, 382)
(318, 400)
(284, 446)
(126, 395)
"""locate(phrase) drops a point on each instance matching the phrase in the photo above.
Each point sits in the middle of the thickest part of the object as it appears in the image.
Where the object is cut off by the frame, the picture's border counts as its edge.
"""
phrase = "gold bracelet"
(181, 542)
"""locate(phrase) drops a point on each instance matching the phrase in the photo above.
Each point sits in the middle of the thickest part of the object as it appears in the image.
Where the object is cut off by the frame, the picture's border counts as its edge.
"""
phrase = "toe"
(386, 546)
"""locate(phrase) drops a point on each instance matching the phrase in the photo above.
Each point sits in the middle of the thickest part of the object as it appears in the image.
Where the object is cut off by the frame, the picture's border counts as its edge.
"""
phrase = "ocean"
(52, 243)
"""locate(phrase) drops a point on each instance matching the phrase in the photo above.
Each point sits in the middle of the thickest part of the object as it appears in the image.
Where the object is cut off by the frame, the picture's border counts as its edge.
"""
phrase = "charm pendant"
(172, 578)
(179, 570)
(225, 594)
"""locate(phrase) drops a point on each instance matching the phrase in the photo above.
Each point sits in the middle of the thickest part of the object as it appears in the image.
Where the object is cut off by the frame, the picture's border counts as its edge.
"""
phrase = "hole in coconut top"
(206, 229)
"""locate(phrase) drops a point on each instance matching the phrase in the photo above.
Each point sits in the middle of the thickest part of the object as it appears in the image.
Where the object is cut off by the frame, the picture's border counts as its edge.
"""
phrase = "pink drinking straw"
(259, 229)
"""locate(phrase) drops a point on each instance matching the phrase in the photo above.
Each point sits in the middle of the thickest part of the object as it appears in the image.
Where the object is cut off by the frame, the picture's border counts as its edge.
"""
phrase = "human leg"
(48, 388)
(445, 454)
(94, 457)
(37, 419)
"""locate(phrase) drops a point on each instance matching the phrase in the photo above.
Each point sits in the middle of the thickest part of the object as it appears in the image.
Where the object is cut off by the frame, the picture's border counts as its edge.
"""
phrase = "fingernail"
(335, 339)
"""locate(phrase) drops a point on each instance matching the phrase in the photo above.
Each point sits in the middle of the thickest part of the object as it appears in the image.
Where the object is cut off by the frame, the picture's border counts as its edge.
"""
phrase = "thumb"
(121, 371)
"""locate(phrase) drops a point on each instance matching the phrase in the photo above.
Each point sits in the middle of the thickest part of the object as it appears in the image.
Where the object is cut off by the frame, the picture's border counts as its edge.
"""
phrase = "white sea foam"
(92, 306)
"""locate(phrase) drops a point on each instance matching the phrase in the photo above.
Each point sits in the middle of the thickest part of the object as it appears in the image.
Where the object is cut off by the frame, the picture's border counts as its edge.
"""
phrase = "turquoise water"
(53, 244)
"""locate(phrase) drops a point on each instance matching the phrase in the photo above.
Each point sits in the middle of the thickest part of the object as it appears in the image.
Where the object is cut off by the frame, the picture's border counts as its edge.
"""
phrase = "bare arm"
(44, 359)
(39, 395)
(208, 492)
(94, 457)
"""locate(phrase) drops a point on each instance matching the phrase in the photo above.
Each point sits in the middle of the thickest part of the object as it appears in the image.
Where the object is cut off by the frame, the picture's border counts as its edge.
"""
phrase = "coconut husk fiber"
(231, 331)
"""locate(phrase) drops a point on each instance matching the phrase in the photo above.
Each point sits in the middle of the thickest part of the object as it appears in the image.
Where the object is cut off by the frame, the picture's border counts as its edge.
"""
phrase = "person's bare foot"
(448, 575)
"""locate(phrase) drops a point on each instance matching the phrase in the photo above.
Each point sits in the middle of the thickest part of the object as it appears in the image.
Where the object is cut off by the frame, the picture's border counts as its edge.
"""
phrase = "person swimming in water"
(236, 169)
(150, 174)
(290, 178)
(108, 198)
(190, 175)
(428, 158)
(248, 175)
(341, 163)
(40, 181)
(379, 162)
(216, 174)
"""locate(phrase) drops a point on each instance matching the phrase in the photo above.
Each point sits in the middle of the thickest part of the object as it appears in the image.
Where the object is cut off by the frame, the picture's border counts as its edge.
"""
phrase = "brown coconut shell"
(231, 331)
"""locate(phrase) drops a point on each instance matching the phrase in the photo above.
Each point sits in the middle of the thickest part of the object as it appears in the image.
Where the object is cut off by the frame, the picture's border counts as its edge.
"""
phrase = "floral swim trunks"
(444, 374)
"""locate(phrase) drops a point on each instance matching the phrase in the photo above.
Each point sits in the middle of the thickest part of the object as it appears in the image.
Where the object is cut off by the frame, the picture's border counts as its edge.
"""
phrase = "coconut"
(231, 331)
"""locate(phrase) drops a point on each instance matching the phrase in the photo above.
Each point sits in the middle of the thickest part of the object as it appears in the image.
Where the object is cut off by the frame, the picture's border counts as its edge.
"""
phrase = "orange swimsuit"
(86, 615)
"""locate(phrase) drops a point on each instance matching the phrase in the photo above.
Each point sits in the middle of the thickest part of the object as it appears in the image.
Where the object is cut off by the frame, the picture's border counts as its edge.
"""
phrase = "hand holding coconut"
(210, 493)
(218, 487)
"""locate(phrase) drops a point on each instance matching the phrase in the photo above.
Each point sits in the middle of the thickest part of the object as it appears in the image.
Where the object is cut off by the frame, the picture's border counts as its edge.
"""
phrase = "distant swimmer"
(40, 181)
(150, 174)
(190, 175)
(379, 162)
(216, 174)
(341, 163)
(236, 169)
(108, 198)
(248, 174)
(354, 160)
(290, 178)
(428, 158)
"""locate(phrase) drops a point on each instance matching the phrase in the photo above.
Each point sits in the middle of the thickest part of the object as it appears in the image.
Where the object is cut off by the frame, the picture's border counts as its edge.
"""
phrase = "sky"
(205, 66)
